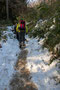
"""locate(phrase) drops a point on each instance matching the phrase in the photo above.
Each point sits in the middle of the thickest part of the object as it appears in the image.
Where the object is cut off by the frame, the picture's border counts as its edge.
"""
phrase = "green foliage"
(5, 23)
(37, 32)
(31, 14)
(4, 37)
(41, 29)
(48, 12)
(1, 33)
(44, 10)
(53, 38)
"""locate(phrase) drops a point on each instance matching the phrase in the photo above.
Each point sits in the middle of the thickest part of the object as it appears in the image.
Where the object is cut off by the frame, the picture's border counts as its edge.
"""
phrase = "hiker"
(17, 31)
(15, 27)
(22, 29)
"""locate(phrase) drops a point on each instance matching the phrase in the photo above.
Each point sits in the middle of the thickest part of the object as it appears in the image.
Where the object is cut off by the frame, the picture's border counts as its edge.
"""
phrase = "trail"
(21, 80)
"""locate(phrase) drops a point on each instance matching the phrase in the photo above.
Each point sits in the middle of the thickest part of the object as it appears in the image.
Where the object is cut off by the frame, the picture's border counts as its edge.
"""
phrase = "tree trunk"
(7, 10)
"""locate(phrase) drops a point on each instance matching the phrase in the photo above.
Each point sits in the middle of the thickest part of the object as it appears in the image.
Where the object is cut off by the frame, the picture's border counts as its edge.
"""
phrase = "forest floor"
(27, 69)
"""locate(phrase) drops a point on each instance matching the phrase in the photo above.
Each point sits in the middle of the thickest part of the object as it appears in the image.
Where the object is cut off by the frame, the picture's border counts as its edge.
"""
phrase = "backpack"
(22, 24)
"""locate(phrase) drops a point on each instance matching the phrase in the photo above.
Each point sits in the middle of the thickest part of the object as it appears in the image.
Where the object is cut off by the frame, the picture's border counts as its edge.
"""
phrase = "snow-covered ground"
(8, 57)
(37, 62)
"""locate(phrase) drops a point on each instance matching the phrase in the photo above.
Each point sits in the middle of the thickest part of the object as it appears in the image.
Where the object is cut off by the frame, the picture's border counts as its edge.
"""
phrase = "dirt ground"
(21, 80)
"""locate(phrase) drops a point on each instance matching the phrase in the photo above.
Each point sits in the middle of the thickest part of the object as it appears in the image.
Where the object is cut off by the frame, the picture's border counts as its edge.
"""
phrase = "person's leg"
(17, 35)
(15, 29)
(20, 39)
(23, 38)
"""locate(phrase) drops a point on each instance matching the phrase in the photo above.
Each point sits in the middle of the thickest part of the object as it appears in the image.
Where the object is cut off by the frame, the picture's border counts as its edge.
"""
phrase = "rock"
(0, 46)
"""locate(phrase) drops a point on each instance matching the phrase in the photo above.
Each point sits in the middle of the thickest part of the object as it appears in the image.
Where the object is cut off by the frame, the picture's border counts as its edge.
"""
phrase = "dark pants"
(15, 29)
(22, 37)
(17, 35)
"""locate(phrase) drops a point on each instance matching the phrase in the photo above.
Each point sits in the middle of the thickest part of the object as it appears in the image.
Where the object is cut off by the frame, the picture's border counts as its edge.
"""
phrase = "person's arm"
(26, 29)
(18, 29)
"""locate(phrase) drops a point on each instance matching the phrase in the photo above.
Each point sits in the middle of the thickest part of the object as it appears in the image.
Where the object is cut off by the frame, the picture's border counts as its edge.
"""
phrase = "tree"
(17, 8)
(7, 10)
(12, 8)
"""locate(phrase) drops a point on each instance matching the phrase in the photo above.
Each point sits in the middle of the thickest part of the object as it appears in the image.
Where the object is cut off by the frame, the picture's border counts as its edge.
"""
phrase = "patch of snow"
(36, 26)
(45, 21)
(52, 27)
(40, 21)
(37, 63)
(54, 20)
(8, 57)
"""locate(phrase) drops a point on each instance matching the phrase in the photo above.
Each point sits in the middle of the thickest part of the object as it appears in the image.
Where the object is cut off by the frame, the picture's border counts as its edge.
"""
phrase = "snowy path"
(21, 80)
(33, 68)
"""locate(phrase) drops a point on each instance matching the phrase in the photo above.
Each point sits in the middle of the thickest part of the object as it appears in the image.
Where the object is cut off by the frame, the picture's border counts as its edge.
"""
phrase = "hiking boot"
(20, 44)
(26, 40)
(24, 44)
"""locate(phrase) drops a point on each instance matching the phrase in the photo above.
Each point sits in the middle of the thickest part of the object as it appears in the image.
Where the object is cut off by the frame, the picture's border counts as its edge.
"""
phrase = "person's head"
(21, 19)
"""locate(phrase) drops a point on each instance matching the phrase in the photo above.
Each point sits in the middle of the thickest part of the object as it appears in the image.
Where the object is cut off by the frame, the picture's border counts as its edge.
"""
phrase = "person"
(22, 29)
(17, 31)
(15, 27)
